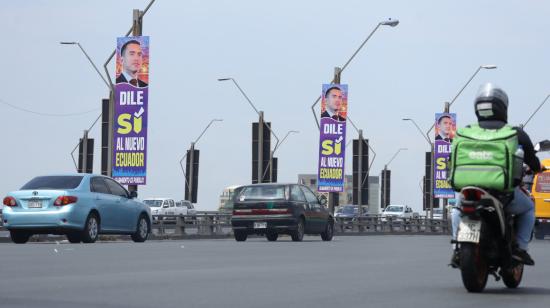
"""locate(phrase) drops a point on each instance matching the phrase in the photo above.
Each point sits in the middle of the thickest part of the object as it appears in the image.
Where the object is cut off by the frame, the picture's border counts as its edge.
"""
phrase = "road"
(351, 271)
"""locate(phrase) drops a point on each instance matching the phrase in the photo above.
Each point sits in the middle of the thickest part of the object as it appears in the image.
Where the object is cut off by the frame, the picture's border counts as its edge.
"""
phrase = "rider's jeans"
(522, 207)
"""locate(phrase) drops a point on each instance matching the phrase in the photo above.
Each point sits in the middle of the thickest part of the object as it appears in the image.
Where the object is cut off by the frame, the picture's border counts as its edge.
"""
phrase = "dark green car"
(273, 209)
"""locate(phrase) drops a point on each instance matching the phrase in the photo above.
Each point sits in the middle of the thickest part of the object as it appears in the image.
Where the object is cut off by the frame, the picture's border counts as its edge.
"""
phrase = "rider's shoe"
(523, 257)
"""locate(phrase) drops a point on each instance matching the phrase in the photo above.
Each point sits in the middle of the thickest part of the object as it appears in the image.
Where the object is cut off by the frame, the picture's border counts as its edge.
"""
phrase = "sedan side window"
(296, 194)
(310, 196)
(98, 185)
(116, 189)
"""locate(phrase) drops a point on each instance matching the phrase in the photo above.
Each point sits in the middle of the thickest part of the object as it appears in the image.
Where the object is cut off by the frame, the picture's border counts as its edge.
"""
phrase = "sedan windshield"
(393, 208)
(53, 182)
(270, 192)
(153, 203)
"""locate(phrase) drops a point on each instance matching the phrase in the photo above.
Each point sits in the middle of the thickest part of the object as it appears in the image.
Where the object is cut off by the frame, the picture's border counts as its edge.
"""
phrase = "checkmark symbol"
(139, 113)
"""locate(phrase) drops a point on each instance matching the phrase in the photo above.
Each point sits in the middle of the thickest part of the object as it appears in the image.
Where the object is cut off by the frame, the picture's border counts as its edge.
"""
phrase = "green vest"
(485, 158)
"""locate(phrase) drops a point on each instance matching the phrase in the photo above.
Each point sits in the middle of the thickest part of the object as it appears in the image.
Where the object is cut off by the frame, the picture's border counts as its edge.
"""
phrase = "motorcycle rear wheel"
(473, 267)
(512, 276)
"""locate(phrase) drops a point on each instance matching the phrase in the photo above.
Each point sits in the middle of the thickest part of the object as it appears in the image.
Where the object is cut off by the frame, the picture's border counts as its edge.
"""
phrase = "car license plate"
(34, 204)
(260, 225)
(469, 230)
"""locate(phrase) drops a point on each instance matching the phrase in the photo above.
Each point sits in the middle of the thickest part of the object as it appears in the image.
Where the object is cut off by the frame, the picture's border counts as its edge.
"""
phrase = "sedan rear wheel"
(91, 229)
(298, 234)
(19, 237)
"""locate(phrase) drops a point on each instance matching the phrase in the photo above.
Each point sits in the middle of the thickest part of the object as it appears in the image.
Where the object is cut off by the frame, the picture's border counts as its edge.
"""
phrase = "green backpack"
(485, 158)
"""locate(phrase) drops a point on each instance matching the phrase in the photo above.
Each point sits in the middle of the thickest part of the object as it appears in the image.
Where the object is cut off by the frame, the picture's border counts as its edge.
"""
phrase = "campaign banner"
(445, 130)
(332, 140)
(130, 116)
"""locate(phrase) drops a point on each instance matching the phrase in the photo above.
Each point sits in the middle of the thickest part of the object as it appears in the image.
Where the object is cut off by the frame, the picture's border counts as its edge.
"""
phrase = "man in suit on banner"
(132, 60)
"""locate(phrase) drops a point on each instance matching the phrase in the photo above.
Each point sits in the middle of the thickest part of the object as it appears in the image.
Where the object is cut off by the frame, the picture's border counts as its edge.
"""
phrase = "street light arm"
(209, 124)
(383, 23)
(283, 140)
(540, 106)
(420, 131)
(249, 102)
(395, 155)
(360, 46)
(464, 87)
(93, 64)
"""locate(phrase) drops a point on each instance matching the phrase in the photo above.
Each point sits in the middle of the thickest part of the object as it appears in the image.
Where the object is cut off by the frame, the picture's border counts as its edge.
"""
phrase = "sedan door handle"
(546, 200)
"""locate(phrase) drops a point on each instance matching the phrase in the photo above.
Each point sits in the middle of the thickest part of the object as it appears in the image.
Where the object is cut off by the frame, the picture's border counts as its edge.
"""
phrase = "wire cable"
(48, 114)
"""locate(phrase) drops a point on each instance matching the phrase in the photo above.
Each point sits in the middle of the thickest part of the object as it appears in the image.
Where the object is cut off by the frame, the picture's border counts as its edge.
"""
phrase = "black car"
(273, 209)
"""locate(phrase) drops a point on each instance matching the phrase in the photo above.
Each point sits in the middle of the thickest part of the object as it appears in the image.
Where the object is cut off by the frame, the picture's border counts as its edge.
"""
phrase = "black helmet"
(491, 104)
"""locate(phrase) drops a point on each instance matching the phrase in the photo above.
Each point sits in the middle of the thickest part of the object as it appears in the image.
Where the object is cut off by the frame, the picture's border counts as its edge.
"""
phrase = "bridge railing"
(215, 224)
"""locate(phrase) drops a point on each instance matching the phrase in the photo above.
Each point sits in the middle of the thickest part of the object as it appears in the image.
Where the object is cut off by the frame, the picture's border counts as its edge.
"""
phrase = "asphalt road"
(351, 271)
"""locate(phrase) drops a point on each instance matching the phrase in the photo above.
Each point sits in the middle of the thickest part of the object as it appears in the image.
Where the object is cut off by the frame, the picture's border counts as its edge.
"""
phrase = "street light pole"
(389, 22)
(261, 172)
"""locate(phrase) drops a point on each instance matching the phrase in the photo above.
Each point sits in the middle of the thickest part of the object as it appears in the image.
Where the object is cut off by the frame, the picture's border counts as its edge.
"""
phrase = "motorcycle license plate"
(469, 230)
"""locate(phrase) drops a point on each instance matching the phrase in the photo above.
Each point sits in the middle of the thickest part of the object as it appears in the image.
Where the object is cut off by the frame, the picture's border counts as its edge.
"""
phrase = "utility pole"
(334, 197)
(360, 170)
(137, 29)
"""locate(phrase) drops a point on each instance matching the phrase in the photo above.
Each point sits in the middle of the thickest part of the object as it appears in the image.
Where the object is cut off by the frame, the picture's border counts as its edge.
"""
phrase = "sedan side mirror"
(322, 200)
(133, 194)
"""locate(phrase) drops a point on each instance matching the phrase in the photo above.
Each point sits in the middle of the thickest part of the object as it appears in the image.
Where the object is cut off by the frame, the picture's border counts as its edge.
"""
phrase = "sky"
(280, 52)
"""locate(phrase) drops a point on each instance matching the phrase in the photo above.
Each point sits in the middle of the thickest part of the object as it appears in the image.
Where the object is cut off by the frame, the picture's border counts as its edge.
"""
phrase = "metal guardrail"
(215, 224)
(379, 224)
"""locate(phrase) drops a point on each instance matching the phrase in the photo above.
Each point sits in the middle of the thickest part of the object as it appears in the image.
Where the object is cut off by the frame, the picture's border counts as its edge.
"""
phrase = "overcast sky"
(280, 52)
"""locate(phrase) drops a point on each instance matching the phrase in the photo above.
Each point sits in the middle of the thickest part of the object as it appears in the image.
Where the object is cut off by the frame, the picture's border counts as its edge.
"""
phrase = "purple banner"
(131, 101)
(445, 129)
(332, 140)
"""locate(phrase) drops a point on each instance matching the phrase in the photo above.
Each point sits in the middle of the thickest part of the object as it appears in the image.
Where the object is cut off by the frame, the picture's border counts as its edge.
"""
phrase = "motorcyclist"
(491, 108)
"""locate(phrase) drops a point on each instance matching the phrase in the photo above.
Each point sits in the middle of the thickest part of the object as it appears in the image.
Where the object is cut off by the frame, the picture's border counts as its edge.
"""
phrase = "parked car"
(80, 206)
(273, 209)
(397, 212)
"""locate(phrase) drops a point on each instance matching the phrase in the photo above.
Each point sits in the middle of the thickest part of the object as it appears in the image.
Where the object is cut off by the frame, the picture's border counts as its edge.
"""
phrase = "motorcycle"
(485, 239)
(486, 236)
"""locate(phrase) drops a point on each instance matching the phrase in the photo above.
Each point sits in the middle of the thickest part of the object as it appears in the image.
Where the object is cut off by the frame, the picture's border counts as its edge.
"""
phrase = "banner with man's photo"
(445, 130)
(332, 140)
(130, 116)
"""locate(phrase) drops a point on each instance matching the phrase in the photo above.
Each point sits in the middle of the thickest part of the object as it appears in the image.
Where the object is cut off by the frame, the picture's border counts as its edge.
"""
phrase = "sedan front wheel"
(142, 230)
